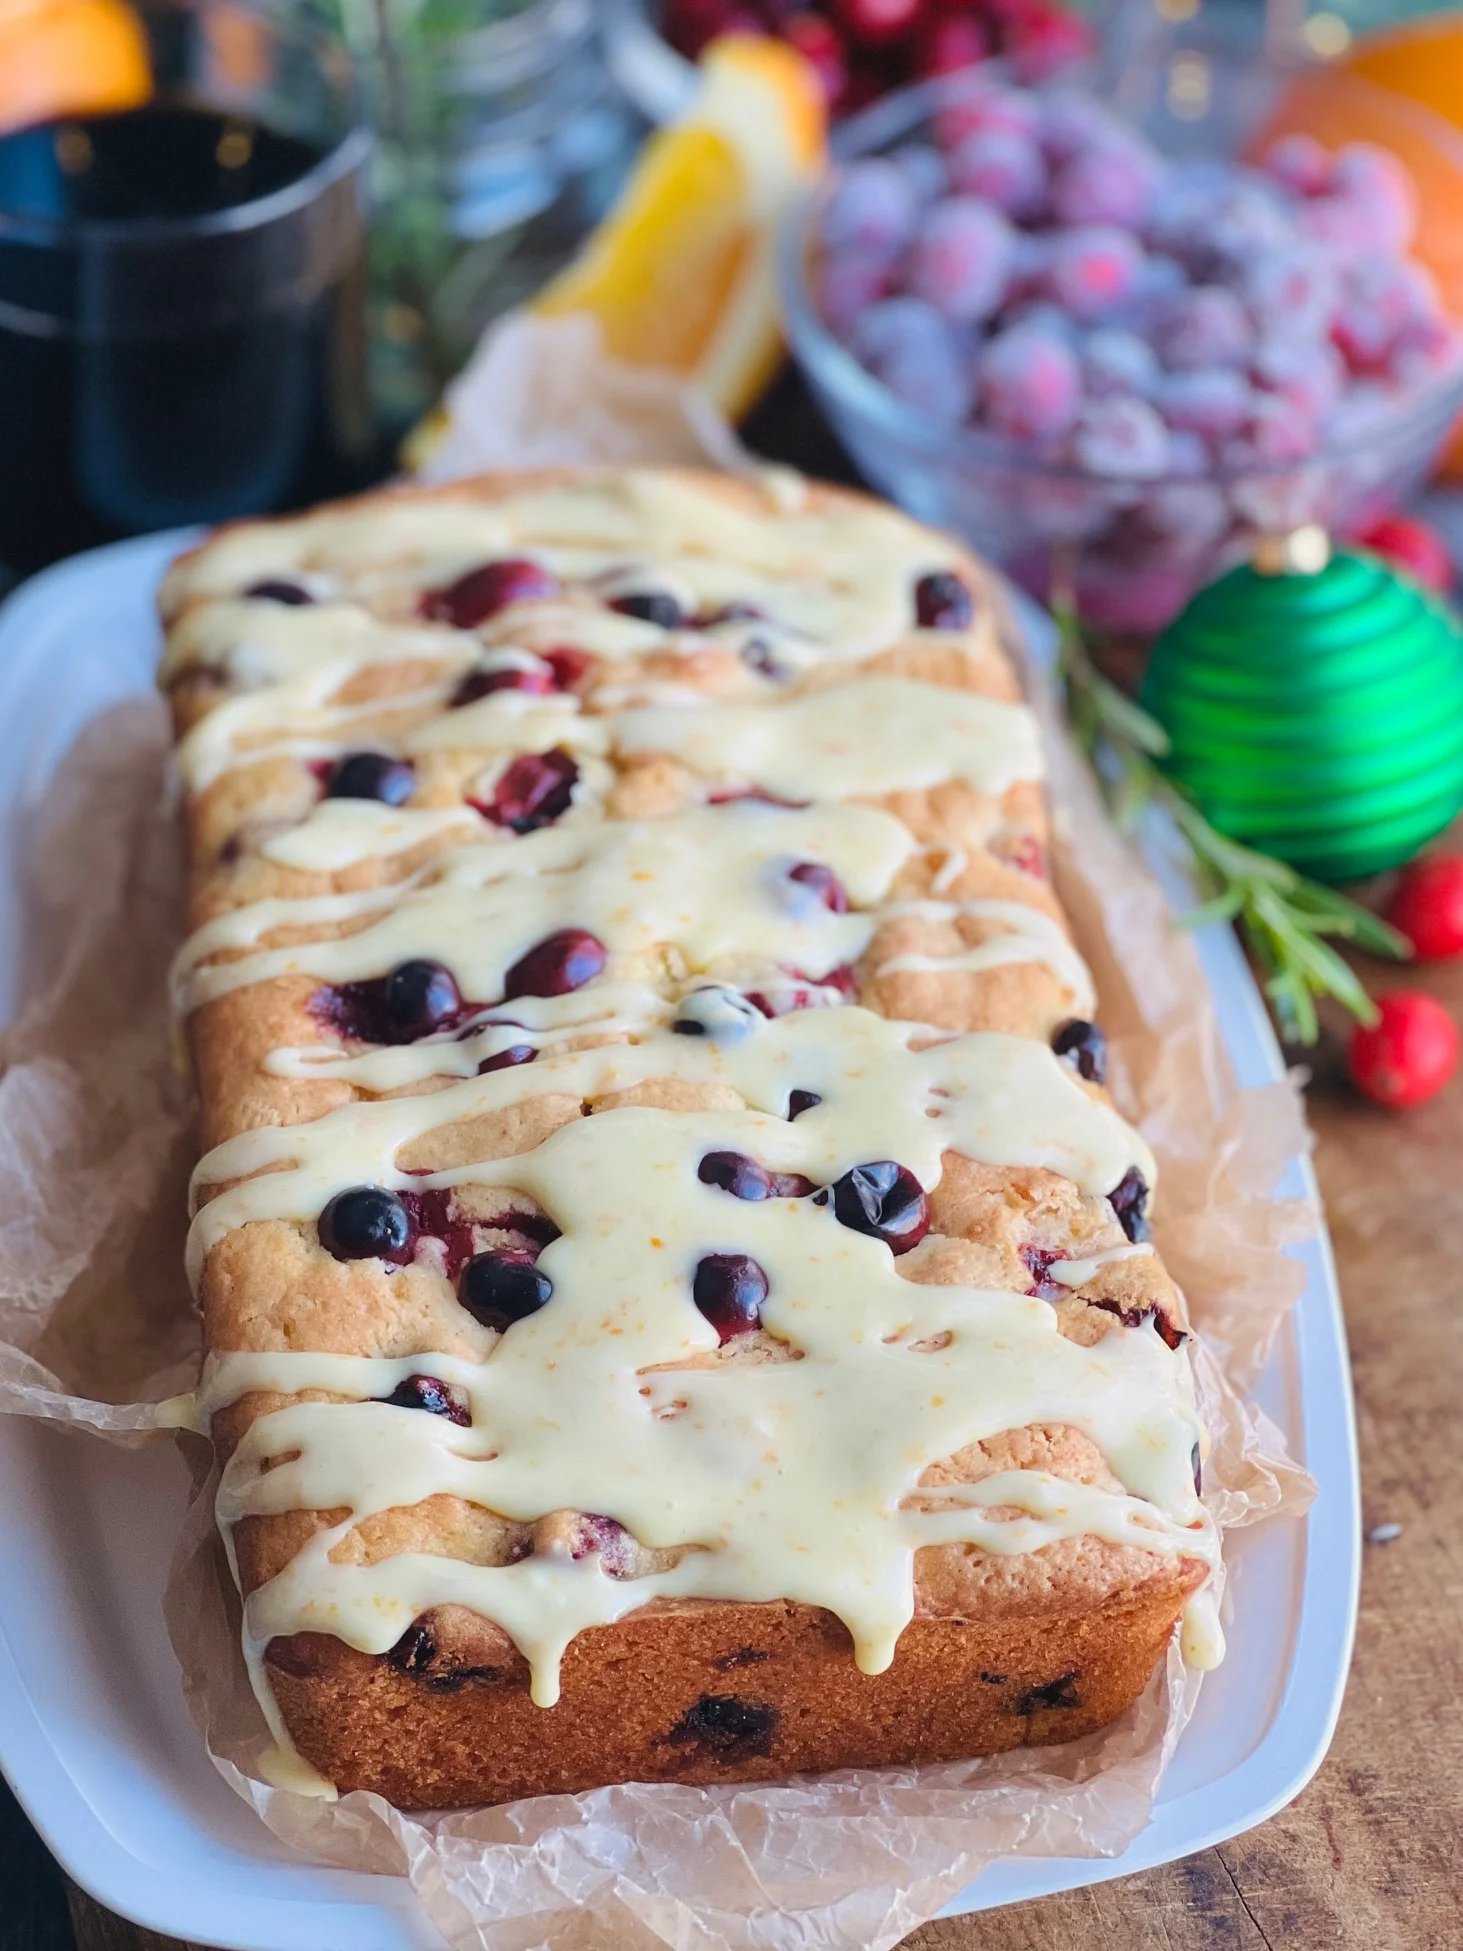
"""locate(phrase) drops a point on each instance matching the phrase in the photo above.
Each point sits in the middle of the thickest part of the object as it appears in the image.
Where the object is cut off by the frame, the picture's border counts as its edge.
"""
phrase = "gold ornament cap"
(1303, 551)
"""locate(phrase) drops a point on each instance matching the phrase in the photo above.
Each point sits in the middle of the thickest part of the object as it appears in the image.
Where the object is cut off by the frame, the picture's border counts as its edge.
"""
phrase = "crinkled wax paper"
(96, 1326)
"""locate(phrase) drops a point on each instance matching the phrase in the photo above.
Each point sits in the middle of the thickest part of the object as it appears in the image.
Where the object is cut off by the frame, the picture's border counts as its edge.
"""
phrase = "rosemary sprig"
(1284, 918)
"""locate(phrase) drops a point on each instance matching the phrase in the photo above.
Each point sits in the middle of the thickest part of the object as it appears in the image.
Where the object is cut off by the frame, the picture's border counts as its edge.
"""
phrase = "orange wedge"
(679, 275)
(69, 57)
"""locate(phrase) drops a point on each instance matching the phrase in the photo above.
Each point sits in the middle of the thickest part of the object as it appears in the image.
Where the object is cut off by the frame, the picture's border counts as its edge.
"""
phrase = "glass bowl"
(1130, 551)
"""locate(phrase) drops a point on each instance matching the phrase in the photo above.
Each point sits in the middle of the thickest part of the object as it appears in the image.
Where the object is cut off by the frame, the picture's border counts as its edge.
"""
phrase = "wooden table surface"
(1371, 1854)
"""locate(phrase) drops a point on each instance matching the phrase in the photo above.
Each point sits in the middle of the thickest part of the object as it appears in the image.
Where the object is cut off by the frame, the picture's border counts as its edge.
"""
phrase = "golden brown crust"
(1006, 1649)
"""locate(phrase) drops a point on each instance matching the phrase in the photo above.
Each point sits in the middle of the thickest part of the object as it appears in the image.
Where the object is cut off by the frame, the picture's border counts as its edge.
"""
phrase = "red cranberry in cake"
(1084, 1046)
(803, 991)
(417, 999)
(481, 684)
(655, 606)
(744, 1178)
(438, 1398)
(604, 1538)
(366, 1223)
(500, 1288)
(1039, 1261)
(758, 656)
(482, 592)
(563, 961)
(884, 1200)
(1168, 1332)
(729, 1289)
(372, 775)
(569, 666)
(516, 1053)
(943, 602)
(279, 589)
(724, 1015)
(1129, 1202)
(534, 790)
(721, 1727)
(820, 881)
(800, 1101)
(1024, 852)
(420, 998)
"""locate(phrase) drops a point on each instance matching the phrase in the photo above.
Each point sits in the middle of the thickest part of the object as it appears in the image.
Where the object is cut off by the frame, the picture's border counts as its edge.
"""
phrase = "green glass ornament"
(1314, 704)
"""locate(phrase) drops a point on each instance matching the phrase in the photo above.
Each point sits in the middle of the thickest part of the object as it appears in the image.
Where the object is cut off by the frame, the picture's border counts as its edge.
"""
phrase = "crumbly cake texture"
(677, 1293)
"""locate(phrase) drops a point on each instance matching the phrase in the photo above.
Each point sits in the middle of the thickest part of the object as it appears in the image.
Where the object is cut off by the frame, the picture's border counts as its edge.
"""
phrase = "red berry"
(875, 23)
(819, 43)
(1046, 42)
(1408, 1054)
(1427, 906)
(1411, 545)
(951, 42)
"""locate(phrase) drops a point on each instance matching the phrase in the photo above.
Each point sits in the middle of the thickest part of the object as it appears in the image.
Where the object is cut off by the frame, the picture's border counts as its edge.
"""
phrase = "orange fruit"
(69, 57)
(679, 275)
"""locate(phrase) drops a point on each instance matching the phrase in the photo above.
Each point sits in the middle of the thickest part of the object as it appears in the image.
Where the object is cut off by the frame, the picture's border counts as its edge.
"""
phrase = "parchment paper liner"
(95, 1326)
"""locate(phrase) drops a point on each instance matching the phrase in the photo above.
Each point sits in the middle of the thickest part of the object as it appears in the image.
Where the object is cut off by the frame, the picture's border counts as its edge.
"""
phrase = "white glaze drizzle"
(1025, 935)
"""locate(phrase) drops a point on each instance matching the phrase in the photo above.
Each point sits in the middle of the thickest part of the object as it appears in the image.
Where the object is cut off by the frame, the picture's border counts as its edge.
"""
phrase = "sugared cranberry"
(800, 1101)
(420, 997)
(885, 1200)
(366, 1223)
(724, 1015)
(820, 881)
(744, 1178)
(563, 961)
(278, 589)
(437, 1397)
(943, 602)
(372, 775)
(655, 606)
(729, 1289)
(482, 592)
(500, 1288)
(516, 1053)
(534, 790)
(1129, 1201)
(1085, 1048)
(481, 684)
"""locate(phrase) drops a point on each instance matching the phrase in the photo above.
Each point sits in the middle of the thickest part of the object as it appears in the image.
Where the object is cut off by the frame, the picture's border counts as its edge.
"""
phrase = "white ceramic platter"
(94, 1736)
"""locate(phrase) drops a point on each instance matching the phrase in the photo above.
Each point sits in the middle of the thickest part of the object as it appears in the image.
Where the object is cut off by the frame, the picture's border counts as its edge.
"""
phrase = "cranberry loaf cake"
(677, 1294)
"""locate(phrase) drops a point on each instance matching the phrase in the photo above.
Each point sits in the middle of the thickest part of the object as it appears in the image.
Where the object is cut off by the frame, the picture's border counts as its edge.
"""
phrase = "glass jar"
(501, 142)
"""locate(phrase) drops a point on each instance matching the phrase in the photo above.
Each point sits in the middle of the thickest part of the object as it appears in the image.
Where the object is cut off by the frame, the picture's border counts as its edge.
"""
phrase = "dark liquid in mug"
(144, 384)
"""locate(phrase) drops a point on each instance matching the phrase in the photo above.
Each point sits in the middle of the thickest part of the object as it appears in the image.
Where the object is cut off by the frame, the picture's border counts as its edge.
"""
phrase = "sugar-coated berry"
(1069, 119)
(961, 258)
(1110, 181)
(1204, 326)
(1427, 906)
(1310, 376)
(1121, 439)
(1044, 40)
(873, 209)
(1276, 432)
(919, 355)
(1118, 361)
(1093, 269)
(1299, 163)
(846, 285)
(1030, 384)
(1291, 291)
(1213, 402)
(1413, 546)
(1373, 179)
(1003, 168)
(925, 169)
(1408, 1054)
(1247, 217)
